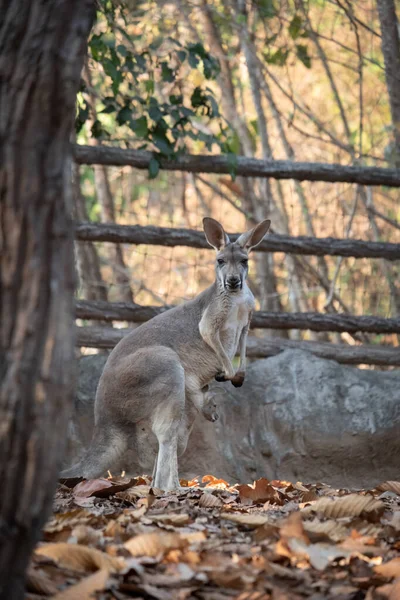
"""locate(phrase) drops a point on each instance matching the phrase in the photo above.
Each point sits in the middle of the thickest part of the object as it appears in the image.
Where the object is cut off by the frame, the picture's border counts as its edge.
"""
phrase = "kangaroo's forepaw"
(221, 377)
(238, 380)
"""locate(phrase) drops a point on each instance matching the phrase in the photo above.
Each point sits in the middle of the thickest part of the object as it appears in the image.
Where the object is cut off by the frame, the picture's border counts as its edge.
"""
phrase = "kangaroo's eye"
(221, 262)
(244, 262)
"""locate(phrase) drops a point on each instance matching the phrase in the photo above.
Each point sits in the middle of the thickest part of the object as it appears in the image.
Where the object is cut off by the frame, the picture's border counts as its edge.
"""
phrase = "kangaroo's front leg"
(238, 380)
(214, 341)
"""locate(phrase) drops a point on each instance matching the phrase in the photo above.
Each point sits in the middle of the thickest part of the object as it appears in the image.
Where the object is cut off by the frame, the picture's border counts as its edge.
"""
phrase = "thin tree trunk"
(106, 201)
(391, 55)
(116, 257)
(91, 281)
(42, 45)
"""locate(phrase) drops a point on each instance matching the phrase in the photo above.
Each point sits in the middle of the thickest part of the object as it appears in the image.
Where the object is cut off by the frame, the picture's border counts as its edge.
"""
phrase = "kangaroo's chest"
(236, 319)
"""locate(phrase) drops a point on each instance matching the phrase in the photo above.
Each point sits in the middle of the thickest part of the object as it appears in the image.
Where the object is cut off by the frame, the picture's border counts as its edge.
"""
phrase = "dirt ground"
(119, 538)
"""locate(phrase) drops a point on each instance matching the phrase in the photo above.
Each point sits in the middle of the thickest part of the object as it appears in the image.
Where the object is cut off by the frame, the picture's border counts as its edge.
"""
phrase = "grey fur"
(158, 374)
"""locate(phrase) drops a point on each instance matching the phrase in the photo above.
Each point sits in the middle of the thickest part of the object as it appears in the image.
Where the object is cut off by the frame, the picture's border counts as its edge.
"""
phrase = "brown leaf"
(325, 530)
(38, 582)
(178, 520)
(154, 544)
(319, 555)
(352, 505)
(101, 488)
(390, 569)
(390, 591)
(133, 493)
(292, 527)
(210, 501)
(80, 558)
(390, 486)
(249, 519)
(214, 482)
(260, 491)
(84, 590)
(309, 496)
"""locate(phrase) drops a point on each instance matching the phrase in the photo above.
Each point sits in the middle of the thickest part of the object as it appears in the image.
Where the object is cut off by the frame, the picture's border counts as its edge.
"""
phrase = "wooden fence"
(368, 354)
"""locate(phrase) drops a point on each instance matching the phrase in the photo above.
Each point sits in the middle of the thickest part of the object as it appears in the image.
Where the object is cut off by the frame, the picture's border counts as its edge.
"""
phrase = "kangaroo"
(159, 372)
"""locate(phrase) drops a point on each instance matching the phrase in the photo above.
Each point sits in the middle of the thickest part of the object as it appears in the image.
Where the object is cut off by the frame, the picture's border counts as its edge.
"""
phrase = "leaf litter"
(210, 540)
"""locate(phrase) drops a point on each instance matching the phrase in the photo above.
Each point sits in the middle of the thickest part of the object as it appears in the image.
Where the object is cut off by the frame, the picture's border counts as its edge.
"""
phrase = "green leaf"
(232, 165)
(295, 27)
(140, 127)
(302, 54)
(161, 141)
(149, 86)
(167, 73)
(181, 54)
(176, 99)
(121, 49)
(97, 129)
(266, 8)
(124, 115)
(279, 57)
(198, 98)
(155, 113)
(154, 168)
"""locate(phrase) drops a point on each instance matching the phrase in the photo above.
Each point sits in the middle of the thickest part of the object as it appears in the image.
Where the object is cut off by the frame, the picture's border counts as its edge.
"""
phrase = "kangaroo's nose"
(233, 281)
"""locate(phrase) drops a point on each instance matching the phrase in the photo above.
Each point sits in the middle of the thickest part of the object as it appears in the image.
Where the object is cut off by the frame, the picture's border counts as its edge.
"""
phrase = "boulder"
(297, 417)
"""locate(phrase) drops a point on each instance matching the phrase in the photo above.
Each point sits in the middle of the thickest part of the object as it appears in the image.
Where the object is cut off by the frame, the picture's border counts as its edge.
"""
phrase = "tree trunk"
(116, 257)
(42, 45)
(391, 55)
(91, 282)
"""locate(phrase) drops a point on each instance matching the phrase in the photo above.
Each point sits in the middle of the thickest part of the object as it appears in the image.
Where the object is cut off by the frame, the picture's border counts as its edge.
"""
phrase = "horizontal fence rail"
(108, 337)
(240, 165)
(123, 311)
(171, 237)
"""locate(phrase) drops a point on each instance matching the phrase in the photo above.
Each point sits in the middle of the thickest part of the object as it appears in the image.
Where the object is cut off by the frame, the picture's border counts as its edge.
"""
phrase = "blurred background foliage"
(295, 79)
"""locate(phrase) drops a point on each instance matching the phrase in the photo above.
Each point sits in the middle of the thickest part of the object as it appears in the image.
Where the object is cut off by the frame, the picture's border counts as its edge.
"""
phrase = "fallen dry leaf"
(390, 486)
(154, 544)
(215, 482)
(352, 505)
(390, 569)
(80, 558)
(390, 591)
(101, 488)
(133, 493)
(323, 530)
(319, 555)
(85, 589)
(210, 501)
(292, 527)
(178, 520)
(38, 582)
(261, 491)
(249, 519)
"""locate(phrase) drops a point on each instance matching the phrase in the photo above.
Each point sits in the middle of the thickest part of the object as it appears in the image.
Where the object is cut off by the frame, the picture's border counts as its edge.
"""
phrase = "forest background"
(291, 80)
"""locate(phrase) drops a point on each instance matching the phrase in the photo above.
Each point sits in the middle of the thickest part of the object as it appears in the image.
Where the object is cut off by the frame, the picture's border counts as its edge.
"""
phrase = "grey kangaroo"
(159, 373)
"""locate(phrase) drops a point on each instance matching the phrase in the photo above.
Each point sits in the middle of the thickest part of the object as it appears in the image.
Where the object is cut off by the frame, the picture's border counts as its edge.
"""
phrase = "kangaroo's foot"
(238, 379)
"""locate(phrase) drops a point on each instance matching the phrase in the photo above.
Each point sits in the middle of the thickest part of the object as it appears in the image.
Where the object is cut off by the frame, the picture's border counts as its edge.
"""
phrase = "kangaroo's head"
(232, 257)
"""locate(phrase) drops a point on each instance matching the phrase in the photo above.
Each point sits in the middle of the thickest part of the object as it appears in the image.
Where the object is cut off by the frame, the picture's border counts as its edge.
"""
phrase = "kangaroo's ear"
(253, 237)
(215, 234)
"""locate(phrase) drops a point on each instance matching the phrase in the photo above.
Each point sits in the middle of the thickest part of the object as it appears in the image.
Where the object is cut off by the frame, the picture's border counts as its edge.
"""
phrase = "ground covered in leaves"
(119, 538)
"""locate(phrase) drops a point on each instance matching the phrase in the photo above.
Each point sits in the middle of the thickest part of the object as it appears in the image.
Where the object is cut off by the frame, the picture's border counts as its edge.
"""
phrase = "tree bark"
(115, 254)
(42, 45)
(391, 56)
(90, 278)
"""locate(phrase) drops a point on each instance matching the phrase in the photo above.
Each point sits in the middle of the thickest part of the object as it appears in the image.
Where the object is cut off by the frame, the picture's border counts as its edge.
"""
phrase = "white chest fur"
(236, 319)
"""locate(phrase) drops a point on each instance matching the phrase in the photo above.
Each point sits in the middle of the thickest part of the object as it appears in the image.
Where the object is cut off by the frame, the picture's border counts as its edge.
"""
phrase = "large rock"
(296, 417)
